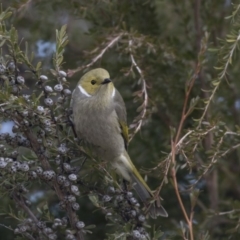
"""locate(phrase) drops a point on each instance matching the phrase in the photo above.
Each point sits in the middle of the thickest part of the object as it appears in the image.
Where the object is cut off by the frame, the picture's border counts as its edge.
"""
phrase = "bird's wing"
(122, 116)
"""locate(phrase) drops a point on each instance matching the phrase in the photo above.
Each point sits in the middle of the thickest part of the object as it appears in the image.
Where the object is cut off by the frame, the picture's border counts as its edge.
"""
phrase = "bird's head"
(96, 82)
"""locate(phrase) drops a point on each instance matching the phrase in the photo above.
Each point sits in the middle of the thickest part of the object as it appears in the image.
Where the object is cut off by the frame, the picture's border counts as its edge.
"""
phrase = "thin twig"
(175, 184)
(217, 155)
(168, 160)
(230, 56)
(230, 149)
(202, 135)
(138, 124)
(9, 228)
(221, 76)
(207, 106)
(227, 212)
(24, 5)
(3, 104)
(113, 41)
(20, 201)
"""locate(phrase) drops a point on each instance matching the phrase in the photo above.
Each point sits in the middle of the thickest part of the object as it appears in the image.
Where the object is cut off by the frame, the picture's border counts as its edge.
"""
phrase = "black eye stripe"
(93, 82)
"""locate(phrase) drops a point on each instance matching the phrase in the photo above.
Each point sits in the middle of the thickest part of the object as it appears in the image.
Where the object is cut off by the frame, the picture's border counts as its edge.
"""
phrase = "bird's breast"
(98, 127)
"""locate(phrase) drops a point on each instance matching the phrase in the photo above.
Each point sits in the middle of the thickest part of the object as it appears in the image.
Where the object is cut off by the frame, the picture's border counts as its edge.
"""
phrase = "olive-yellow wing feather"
(122, 116)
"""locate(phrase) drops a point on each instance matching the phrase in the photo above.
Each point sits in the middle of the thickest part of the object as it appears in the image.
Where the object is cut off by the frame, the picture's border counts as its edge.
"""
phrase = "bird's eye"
(93, 82)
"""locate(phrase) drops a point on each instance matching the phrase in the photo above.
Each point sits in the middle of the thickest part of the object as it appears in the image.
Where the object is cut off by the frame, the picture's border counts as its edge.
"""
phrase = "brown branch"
(20, 201)
(113, 41)
(175, 185)
(71, 214)
(168, 160)
(185, 113)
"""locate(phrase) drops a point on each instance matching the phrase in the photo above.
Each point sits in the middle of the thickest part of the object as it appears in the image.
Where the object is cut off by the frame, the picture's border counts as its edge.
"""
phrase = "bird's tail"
(155, 208)
(124, 166)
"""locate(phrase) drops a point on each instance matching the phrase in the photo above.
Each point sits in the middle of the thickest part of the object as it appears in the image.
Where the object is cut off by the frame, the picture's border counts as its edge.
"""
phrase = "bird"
(100, 119)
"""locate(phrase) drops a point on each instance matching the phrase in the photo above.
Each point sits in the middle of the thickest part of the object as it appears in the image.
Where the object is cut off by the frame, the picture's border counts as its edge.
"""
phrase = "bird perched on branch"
(99, 117)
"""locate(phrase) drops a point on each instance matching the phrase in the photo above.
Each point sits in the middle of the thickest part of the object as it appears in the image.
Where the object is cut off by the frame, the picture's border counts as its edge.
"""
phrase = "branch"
(174, 143)
(217, 155)
(9, 228)
(71, 214)
(22, 204)
(175, 184)
(71, 72)
(138, 121)
(223, 73)
(230, 56)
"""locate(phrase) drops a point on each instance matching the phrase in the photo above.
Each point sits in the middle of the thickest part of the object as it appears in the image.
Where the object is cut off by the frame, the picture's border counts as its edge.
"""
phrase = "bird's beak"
(106, 81)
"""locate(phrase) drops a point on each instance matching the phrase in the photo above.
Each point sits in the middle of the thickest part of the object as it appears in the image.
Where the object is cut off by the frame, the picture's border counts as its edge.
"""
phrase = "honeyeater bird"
(99, 118)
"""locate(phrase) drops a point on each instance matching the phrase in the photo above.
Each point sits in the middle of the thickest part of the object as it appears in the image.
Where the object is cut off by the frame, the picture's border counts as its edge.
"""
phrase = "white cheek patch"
(83, 91)
(113, 93)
